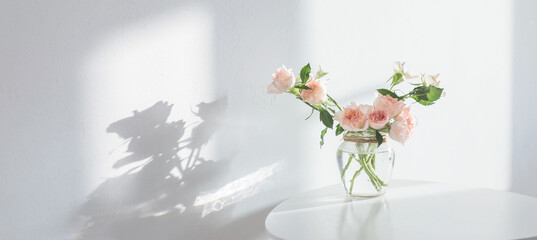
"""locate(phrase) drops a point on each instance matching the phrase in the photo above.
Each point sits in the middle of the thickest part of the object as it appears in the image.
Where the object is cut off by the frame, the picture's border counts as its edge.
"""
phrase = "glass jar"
(365, 167)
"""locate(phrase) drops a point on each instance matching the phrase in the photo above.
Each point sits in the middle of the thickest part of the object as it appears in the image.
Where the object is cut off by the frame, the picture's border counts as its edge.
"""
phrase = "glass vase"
(365, 167)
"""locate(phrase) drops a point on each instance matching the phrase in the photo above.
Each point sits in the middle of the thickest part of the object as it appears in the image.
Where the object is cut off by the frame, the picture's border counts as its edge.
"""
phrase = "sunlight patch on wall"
(235, 191)
(168, 57)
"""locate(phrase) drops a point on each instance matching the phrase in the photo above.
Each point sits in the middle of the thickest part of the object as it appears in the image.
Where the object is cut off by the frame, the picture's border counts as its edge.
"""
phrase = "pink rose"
(389, 104)
(403, 126)
(282, 80)
(353, 117)
(378, 118)
(317, 94)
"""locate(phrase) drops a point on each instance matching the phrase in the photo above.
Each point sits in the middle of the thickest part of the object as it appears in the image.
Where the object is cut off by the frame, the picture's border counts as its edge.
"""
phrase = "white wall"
(78, 163)
(465, 137)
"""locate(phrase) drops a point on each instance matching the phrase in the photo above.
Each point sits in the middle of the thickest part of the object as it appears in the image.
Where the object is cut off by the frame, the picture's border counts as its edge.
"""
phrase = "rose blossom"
(282, 80)
(400, 67)
(389, 104)
(353, 117)
(317, 94)
(378, 118)
(403, 126)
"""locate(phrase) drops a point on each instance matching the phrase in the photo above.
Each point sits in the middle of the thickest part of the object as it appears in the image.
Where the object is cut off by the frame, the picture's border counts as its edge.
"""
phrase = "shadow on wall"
(155, 198)
(49, 54)
(524, 86)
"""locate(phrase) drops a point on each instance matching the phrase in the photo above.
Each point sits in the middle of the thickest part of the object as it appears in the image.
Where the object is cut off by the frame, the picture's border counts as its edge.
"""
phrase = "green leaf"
(426, 95)
(419, 93)
(312, 110)
(397, 78)
(326, 118)
(420, 97)
(339, 130)
(385, 92)
(421, 90)
(379, 138)
(305, 73)
(323, 132)
(303, 87)
(320, 73)
(435, 93)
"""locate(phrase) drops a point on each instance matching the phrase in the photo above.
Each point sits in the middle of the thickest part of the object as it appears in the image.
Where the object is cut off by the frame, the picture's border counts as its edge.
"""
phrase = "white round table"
(409, 210)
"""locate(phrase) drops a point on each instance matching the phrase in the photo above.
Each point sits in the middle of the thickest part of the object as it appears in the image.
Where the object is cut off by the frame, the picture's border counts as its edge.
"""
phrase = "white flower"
(429, 80)
(399, 67)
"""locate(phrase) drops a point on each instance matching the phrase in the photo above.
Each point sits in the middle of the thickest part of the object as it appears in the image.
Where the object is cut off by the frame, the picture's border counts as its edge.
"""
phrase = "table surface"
(409, 210)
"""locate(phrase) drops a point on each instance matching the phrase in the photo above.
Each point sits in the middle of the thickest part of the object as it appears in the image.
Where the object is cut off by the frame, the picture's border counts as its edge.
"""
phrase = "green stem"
(346, 166)
(311, 114)
(316, 108)
(372, 177)
(297, 95)
(373, 165)
(373, 174)
(353, 177)
(390, 78)
(334, 101)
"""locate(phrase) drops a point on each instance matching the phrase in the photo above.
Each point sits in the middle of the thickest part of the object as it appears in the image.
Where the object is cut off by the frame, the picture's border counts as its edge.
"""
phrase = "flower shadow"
(165, 173)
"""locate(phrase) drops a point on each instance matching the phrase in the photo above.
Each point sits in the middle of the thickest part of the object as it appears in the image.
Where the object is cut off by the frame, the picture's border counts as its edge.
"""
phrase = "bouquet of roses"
(389, 113)
(364, 127)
